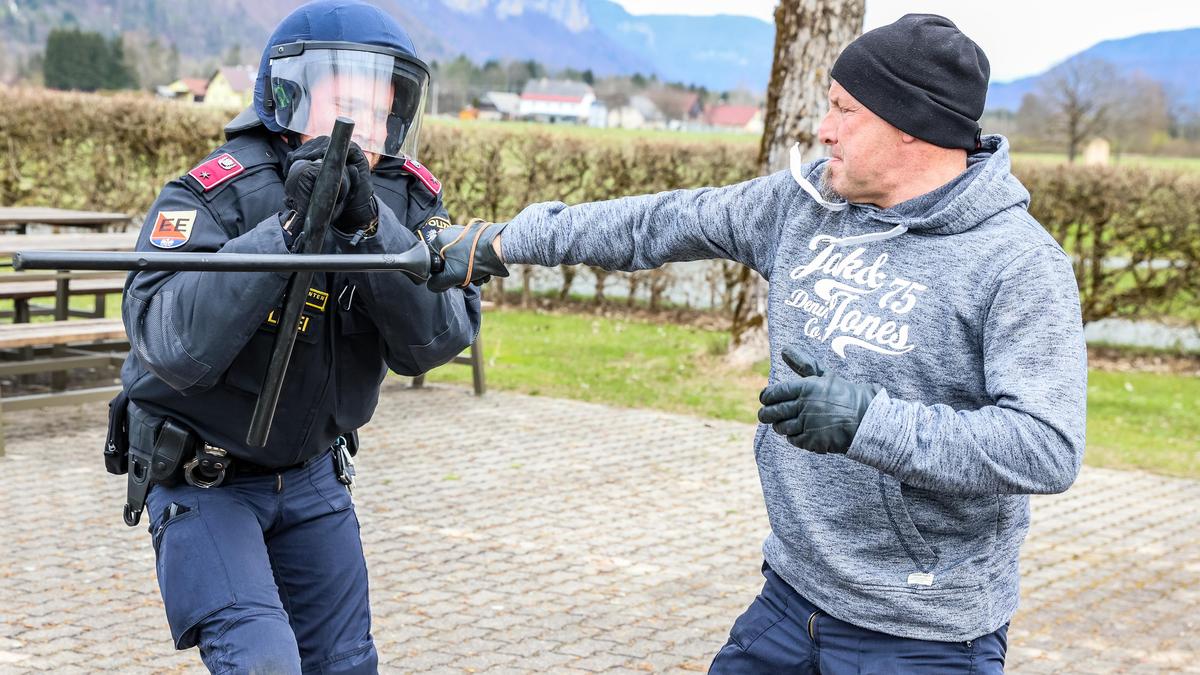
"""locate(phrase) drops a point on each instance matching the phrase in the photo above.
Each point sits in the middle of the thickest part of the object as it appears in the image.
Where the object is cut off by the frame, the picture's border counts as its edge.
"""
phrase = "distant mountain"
(1170, 57)
(719, 52)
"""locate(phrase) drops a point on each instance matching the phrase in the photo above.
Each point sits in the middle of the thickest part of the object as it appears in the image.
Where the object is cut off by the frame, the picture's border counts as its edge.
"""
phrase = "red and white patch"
(172, 229)
(423, 174)
(216, 171)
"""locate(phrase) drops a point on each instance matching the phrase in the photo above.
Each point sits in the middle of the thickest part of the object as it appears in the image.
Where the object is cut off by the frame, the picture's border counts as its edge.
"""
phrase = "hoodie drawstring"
(796, 162)
(873, 236)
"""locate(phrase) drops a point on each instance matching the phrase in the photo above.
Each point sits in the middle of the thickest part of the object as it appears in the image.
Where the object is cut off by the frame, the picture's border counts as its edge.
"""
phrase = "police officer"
(259, 559)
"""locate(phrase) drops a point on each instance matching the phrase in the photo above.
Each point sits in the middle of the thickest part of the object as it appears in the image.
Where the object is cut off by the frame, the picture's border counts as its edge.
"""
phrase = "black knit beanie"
(922, 75)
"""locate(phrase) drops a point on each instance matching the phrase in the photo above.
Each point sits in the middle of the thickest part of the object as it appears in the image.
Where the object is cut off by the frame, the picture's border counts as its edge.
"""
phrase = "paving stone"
(559, 536)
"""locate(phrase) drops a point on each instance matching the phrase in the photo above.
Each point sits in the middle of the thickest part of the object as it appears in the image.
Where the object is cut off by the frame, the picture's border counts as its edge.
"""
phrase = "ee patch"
(172, 228)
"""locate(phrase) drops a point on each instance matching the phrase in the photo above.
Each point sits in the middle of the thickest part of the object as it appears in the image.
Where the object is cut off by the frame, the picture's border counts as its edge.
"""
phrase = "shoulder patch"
(172, 229)
(432, 227)
(423, 174)
(216, 171)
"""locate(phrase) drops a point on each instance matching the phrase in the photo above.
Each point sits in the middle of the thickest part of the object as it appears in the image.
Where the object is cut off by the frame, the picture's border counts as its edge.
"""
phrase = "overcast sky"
(1023, 38)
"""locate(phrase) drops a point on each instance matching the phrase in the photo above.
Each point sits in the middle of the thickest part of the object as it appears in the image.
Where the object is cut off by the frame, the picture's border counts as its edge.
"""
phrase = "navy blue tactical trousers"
(265, 573)
(782, 632)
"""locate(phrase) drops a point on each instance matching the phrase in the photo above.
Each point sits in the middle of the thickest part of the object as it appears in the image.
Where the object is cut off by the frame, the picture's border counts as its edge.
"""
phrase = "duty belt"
(212, 466)
(208, 468)
(164, 459)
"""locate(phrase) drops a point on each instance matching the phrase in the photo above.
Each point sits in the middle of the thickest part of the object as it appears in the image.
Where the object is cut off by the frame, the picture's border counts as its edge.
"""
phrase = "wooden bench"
(474, 358)
(21, 288)
(20, 218)
(89, 343)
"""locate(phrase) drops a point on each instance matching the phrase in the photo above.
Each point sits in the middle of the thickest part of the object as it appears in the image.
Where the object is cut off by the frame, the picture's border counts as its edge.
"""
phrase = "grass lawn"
(1144, 421)
(618, 362)
(593, 133)
(1185, 163)
(1135, 420)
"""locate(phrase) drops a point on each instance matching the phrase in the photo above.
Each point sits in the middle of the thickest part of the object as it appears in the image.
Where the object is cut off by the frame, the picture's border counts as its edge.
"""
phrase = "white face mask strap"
(796, 162)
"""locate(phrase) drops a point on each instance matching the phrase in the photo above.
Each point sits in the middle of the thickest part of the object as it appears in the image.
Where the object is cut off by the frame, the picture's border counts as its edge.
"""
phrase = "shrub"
(1134, 234)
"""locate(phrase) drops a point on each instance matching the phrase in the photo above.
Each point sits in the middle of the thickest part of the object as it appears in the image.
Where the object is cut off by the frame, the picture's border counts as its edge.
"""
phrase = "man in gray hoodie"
(928, 369)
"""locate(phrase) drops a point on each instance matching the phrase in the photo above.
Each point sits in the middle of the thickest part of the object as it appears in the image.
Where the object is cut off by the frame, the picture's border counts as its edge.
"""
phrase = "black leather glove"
(362, 212)
(818, 412)
(301, 167)
(467, 254)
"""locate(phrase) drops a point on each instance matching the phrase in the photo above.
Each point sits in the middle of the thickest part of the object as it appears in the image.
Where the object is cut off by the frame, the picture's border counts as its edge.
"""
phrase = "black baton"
(320, 209)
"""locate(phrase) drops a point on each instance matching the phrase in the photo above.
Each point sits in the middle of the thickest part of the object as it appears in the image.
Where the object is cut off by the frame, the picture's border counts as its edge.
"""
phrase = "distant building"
(499, 105)
(693, 108)
(599, 115)
(639, 113)
(680, 108)
(547, 100)
(1097, 152)
(231, 87)
(745, 118)
(190, 89)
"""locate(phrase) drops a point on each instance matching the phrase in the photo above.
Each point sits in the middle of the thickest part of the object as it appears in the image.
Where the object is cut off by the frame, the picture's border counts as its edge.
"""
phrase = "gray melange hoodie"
(959, 304)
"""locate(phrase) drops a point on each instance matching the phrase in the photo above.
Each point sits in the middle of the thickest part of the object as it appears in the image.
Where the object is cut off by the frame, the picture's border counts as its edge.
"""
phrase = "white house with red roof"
(548, 100)
(747, 118)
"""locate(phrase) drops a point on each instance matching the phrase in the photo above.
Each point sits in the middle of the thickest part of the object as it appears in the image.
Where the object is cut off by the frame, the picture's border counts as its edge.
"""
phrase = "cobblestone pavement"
(559, 536)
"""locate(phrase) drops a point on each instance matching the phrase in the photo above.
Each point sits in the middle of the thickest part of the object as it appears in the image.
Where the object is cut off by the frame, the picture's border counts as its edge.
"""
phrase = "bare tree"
(809, 35)
(613, 91)
(1078, 98)
(1142, 120)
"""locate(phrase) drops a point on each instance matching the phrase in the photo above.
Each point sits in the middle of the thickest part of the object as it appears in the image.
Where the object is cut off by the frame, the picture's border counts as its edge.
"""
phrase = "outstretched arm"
(739, 222)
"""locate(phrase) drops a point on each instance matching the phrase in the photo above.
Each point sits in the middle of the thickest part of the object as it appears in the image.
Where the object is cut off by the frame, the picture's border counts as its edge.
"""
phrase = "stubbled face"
(864, 166)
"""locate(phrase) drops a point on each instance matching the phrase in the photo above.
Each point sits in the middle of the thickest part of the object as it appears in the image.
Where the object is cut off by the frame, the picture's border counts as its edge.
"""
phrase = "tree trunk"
(660, 280)
(496, 292)
(568, 278)
(809, 35)
(634, 283)
(601, 276)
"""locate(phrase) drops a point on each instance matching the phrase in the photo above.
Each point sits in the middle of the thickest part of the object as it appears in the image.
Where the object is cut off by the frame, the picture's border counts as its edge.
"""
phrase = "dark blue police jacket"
(200, 341)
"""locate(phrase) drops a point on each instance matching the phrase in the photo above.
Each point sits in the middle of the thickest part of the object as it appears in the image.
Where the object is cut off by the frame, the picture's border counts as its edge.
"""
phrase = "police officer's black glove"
(362, 212)
(819, 412)
(301, 167)
(467, 254)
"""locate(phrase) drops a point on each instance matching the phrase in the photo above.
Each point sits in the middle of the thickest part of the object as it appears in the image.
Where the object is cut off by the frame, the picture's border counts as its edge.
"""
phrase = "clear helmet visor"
(383, 94)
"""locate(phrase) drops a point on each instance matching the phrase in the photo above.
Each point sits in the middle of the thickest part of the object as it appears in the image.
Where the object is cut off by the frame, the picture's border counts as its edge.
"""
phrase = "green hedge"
(115, 152)
(1134, 233)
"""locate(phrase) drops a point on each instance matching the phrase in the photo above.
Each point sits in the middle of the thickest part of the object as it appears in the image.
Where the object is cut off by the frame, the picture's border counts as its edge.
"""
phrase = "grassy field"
(1144, 421)
(619, 135)
(1188, 163)
(1135, 420)
(625, 363)
(625, 135)
(592, 133)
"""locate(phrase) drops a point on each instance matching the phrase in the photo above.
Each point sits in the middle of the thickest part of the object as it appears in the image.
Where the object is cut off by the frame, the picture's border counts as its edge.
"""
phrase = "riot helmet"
(344, 58)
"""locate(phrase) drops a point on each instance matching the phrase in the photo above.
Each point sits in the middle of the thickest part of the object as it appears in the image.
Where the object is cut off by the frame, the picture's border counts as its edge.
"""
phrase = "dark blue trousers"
(265, 574)
(782, 632)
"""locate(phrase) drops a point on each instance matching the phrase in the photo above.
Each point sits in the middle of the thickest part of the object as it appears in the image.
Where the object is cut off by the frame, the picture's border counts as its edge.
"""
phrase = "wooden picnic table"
(21, 217)
(83, 241)
(91, 241)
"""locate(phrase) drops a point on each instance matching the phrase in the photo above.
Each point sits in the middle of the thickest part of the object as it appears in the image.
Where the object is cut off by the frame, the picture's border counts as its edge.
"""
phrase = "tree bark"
(809, 35)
